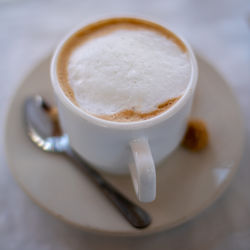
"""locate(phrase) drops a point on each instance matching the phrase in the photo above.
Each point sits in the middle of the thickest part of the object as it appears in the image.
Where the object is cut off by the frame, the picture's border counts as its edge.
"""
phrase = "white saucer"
(187, 183)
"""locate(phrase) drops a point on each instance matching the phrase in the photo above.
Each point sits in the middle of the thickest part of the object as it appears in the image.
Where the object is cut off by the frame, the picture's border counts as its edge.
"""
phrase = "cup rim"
(124, 125)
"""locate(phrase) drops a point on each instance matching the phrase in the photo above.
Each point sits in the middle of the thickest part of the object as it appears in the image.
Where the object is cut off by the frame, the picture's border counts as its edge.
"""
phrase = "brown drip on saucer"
(196, 136)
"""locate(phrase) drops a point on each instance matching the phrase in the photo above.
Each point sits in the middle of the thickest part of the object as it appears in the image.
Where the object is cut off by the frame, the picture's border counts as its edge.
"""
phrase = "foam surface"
(127, 70)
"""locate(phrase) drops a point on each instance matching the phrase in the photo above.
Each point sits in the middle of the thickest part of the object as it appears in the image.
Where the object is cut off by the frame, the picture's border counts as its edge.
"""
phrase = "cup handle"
(142, 170)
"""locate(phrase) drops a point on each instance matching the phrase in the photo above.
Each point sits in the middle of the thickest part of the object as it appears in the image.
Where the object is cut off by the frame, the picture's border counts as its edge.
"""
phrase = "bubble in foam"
(127, 70)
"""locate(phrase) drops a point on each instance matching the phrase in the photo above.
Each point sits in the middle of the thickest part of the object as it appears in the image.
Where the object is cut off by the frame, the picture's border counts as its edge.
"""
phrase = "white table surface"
(219, 30)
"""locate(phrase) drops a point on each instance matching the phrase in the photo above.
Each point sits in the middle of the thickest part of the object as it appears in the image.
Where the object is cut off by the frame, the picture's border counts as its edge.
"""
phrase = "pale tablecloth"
(219, 30)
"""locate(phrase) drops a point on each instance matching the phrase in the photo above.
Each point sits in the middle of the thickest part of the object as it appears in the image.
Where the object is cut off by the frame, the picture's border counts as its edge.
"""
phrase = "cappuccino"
(124, 69)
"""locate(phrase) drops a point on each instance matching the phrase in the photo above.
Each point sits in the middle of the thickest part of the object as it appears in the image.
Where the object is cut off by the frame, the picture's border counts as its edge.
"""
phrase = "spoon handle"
(134, 214)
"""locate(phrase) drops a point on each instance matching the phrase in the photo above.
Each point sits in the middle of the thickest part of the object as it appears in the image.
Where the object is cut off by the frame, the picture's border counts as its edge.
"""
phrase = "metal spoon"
(42, 127)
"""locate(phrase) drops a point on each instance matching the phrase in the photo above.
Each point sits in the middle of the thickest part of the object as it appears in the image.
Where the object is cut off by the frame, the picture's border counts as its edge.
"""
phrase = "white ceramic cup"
(123, 147)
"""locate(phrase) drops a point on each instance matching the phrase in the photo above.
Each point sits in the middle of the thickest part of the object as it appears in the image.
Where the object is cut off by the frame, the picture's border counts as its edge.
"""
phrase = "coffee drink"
(124, 69)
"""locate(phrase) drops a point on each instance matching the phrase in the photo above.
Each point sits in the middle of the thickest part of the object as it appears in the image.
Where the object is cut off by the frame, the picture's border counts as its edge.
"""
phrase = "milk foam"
(127, 70)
